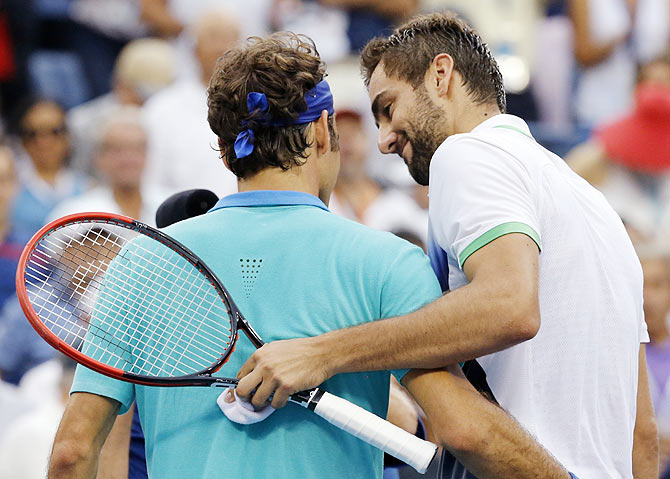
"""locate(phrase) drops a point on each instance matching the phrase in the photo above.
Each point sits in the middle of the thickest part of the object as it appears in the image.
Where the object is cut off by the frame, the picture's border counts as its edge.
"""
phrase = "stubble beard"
(425, 136)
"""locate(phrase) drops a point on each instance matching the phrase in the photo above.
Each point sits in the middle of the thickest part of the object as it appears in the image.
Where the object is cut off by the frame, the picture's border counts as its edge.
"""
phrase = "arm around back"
(497, 309)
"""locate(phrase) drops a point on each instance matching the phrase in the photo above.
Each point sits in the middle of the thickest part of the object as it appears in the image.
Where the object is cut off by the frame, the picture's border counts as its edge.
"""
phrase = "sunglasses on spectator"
(30, 134)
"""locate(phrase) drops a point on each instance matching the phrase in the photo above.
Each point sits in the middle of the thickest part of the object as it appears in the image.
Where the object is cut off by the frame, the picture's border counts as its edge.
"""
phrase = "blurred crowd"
(103, 108)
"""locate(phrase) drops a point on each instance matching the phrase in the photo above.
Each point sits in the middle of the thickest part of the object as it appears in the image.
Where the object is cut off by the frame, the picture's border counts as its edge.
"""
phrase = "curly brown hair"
(283, 66)
(422, 39)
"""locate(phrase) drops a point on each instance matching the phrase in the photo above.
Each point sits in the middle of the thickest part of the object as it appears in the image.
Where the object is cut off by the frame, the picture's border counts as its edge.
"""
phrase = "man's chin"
(420, 177)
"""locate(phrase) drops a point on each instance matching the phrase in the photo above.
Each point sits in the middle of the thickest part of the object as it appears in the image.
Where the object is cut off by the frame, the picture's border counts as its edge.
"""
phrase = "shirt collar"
(269, 198)
(509, 122)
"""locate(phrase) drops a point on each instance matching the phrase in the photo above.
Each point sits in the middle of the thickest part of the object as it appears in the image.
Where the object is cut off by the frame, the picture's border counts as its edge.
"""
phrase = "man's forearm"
(87, 420)
(481, 435)
(464, 324)
(497, 309)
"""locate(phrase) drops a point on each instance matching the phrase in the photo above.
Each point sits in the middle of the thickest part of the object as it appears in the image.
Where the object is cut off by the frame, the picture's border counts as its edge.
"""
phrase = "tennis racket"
(129, 302)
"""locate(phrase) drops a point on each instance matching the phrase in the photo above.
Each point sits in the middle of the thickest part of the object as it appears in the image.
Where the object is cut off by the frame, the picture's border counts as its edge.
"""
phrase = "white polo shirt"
(574, 385)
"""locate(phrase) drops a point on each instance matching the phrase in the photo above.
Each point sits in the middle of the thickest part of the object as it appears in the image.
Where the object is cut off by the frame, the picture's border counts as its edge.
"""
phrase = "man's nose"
(387, 140)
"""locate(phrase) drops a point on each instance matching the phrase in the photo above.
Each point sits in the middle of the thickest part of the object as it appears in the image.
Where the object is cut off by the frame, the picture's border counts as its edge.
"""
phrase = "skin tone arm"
(401, 410)
(114, 454)
(497, 309)
(86, 423)
(588, 52)
(645, 439)
(481, 435)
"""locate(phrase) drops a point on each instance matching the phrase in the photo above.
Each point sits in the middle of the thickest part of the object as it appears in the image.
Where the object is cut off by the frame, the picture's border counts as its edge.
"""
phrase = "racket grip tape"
(376, 431)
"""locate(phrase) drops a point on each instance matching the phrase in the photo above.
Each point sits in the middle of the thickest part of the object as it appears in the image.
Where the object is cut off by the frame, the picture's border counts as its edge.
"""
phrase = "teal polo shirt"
(294, 269)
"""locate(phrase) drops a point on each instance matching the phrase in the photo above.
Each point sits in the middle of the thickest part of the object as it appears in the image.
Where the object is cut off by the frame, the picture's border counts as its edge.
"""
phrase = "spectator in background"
(44, 177)
(120, 158)
(99, 31)
(358, 197)
(182, 148)
(11, 244)
(176, 20)
(629, 159)
(144, 67)
(656, 267)
(611, 36)
(18, 38)
(26, 442)
(341, 27)
(370, 18)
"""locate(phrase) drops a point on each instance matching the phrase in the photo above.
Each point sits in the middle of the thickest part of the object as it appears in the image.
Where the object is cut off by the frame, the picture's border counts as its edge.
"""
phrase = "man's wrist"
(327, 355)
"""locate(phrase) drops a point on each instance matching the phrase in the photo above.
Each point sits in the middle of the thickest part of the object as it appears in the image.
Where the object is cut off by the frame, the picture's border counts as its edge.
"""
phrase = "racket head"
(126, 300)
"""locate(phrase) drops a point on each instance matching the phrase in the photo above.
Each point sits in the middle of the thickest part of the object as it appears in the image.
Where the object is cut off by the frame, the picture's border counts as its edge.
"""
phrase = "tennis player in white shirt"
(545, 287)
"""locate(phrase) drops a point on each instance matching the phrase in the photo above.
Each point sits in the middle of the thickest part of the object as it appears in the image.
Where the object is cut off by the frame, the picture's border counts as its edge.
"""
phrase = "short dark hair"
(407, 54)
(283, 66)
(25, 106)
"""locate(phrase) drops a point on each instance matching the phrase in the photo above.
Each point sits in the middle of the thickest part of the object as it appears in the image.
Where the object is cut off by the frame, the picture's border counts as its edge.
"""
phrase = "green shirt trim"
(495, 233)
(514, 128)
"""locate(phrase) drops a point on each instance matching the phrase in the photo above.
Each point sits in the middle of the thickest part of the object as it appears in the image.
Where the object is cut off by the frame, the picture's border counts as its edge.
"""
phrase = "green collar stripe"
(510, 127)
(495, 233)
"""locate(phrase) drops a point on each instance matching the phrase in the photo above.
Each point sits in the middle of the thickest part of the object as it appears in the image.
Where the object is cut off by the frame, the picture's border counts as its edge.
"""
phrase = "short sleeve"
(409, 285)
(478, 193)
(88, 381)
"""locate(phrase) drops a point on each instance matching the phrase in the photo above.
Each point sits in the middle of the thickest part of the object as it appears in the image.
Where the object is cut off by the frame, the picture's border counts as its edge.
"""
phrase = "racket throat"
(308, 399)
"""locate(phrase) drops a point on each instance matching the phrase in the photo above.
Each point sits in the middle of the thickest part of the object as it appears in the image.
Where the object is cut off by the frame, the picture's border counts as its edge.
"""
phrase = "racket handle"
(376, 431)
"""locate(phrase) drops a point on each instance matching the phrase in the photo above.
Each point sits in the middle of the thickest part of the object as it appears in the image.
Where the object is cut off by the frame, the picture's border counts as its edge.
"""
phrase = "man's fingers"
(281, 396)
(247, 367)
(261, 397)
(247, 385)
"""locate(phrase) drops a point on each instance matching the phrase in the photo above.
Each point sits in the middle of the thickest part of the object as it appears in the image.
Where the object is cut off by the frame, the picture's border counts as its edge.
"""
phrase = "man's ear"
(440, 73)
(222, 154)
(321, 134)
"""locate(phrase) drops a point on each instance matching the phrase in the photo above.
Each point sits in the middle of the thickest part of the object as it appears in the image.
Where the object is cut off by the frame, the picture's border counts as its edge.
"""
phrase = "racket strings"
(162, 321)
(130, 302)
(218, 350)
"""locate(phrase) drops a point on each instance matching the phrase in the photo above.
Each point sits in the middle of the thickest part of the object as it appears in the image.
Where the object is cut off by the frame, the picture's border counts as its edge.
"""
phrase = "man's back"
(294, 271)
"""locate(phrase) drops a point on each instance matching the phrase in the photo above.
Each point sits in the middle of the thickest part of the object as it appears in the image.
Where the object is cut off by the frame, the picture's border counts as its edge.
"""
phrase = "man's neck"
(277, 179)
(470, 117)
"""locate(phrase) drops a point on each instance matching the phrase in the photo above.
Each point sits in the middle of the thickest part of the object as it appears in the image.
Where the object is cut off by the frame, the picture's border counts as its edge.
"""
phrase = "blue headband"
(318, 99)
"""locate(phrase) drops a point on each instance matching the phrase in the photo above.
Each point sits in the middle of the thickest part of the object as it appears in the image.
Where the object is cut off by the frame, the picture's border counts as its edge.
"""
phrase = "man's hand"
(282, 368)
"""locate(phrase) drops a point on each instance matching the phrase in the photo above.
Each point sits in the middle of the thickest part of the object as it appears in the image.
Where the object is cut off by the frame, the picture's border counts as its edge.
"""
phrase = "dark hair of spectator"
(15, 119)
(283, 67)
(421, 40)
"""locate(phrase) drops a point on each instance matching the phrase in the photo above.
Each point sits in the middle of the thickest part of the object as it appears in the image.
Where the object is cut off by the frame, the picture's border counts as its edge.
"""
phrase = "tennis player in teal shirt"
(295, 270)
